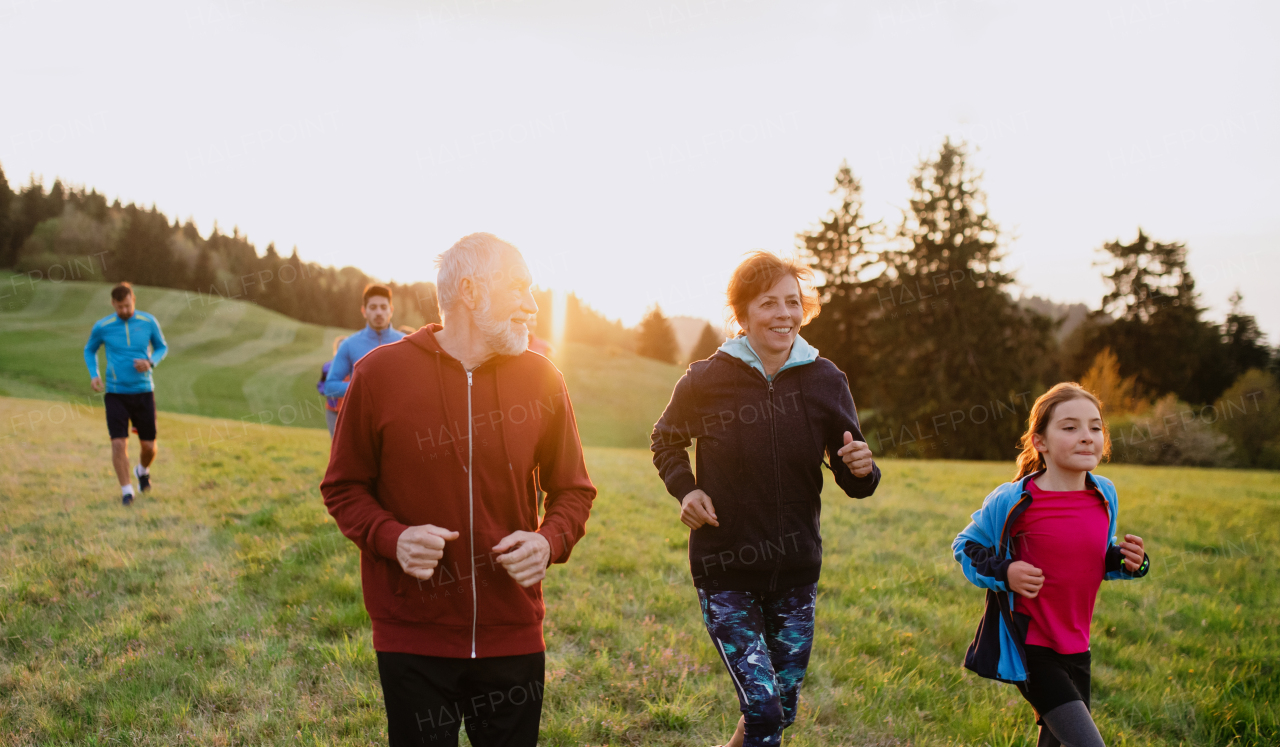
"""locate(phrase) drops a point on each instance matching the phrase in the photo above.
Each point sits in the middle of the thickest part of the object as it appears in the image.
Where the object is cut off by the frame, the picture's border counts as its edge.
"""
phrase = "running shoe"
(144, 478)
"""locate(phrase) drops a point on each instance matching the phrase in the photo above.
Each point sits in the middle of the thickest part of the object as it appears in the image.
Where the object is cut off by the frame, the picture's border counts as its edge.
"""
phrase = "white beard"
(500, 334)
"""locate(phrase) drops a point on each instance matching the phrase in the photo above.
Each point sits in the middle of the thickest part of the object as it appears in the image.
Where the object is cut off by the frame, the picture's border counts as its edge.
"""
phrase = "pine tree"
(707, 344)
(657, 339)
(838, 247)
(204, 275)
(1246, 345)
(924, 326)
(1158, 333)
(841, 250)
(6, 229)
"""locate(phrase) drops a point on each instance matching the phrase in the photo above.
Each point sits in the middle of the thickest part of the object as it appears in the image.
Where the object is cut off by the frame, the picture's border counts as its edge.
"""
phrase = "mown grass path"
(219, 350)
(237, 360)
(224, 607)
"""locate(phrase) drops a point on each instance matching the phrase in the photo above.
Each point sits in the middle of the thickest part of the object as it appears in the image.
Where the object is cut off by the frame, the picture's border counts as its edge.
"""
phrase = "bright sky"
(635, 150)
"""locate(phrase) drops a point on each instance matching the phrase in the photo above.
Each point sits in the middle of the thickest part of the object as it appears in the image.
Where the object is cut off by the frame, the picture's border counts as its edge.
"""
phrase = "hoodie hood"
(801, 353)
(425, 338)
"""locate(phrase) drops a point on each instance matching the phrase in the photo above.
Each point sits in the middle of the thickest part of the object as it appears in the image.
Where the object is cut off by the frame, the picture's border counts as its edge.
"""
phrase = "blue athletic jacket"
(351, 350)
(138, 336)
(984, 551)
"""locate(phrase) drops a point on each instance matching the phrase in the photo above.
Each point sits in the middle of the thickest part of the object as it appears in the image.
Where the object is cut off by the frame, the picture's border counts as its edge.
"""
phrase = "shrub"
(1249, 416)
(1172, 433)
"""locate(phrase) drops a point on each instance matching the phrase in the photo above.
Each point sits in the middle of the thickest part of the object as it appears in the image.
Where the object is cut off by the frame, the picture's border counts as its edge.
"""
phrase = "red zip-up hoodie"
(422, 441)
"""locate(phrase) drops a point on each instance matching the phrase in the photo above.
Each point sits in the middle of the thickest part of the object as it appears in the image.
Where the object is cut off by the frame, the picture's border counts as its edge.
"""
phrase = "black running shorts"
(1054, 679)
(139, 408)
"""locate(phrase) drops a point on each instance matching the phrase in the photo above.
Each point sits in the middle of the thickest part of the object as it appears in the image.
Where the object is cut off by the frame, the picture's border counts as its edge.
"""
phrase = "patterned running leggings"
(764, 639)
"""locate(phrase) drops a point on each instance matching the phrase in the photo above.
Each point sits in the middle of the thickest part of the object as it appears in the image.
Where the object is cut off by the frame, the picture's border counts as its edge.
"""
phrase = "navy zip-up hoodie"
(761, 448)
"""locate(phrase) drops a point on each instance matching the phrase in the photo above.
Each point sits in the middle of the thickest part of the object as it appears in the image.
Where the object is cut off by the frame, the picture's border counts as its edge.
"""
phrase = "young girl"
(1041, 546)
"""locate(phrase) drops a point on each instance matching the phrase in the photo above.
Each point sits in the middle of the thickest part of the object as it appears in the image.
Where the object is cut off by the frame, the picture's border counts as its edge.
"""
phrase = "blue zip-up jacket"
(985, 550)
(351, 350)
(762, 443)
(139, 336)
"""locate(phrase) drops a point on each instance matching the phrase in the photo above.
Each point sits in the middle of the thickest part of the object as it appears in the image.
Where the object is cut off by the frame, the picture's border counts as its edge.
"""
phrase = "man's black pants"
(498, 700)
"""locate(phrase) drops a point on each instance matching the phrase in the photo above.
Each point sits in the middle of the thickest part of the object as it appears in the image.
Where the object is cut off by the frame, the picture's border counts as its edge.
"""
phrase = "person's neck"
(770, 360)
(464, 343)
(377, 330)
(1057, 479)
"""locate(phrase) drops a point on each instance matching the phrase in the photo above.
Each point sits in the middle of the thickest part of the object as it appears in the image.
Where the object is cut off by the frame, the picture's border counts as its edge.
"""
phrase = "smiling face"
(506, 307)
(377, 312)
(1073, 440)
(774, 318)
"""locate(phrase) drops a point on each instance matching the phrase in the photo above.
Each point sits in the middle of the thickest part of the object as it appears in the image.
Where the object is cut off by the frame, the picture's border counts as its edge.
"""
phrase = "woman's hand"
(696, 510)
(1025, 579)
(856, 456)
(1133, 552)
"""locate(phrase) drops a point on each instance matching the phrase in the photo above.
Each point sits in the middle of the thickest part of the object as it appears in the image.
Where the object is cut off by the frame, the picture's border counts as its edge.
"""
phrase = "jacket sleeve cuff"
(555, 541)
(1141, 570)
(1000, 571)
(682, 485)
(387, 537)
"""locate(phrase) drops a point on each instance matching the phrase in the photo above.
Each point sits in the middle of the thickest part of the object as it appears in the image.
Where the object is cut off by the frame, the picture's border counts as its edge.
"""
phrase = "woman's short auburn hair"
(759, 272)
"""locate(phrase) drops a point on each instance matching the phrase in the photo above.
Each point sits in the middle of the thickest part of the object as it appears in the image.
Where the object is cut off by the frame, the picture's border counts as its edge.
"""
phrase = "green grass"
(224, 608)
(236, 360)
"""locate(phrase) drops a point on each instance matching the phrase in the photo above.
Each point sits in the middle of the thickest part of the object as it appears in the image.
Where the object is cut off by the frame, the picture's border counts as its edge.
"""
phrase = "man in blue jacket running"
(135, 346)
(377, 309)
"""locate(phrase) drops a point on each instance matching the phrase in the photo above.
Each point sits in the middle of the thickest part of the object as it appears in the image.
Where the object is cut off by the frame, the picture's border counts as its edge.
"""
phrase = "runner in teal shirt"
(134, 345)
(137, 337)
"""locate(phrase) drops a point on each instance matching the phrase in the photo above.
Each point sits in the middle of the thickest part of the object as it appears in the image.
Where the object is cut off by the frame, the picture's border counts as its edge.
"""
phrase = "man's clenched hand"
(525, 555)
(420, 548)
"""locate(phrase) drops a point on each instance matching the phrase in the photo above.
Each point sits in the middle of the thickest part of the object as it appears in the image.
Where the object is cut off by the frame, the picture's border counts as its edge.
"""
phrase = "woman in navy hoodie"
(767, 414)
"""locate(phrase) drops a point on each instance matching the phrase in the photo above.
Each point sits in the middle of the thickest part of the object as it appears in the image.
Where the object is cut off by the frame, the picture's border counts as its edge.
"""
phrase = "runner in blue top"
(135, 345)
(377, 310)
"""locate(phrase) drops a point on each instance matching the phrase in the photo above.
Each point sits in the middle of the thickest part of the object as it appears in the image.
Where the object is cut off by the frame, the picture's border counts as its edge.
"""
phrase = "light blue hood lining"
(801, 353)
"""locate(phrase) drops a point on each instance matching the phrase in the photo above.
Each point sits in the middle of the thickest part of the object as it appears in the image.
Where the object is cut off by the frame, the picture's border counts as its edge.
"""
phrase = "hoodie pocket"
(444, 598)
(801, 535)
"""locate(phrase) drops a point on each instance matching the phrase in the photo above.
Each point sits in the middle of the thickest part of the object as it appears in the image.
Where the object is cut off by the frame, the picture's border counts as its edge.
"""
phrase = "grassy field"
(237, 360)
(224, 608)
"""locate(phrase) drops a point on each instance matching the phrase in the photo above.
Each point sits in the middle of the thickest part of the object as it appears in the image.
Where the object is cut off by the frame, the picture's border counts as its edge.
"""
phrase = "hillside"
(233, 359)
(224, 607)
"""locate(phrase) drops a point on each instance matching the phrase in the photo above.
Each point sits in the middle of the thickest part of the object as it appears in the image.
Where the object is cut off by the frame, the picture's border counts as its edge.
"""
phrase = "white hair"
(477, 256)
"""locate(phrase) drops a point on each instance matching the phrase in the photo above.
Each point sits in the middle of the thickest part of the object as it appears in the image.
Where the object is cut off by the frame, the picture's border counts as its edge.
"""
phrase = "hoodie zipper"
(777, 477)
(471, 517)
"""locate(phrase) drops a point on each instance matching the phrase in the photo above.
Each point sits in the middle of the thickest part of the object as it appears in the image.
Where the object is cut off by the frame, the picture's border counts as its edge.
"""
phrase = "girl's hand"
(1133, 552)
(696, 510)
(1025, 579)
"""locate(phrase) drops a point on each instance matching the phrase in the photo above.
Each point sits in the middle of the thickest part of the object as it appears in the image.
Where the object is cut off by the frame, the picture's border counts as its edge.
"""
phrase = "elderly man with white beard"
(442, 445)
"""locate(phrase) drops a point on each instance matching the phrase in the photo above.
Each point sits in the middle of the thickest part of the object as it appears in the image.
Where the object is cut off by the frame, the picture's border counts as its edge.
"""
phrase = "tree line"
(945, 361)
(919, 314)
(73, 233)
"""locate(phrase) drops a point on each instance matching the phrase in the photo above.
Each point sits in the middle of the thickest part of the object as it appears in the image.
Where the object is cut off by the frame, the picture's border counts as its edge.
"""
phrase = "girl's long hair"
(1030, 460)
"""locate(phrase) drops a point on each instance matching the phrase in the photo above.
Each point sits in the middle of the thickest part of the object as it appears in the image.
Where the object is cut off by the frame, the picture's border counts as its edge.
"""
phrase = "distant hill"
(237, 360)
(688, 329)
(1071, 314)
